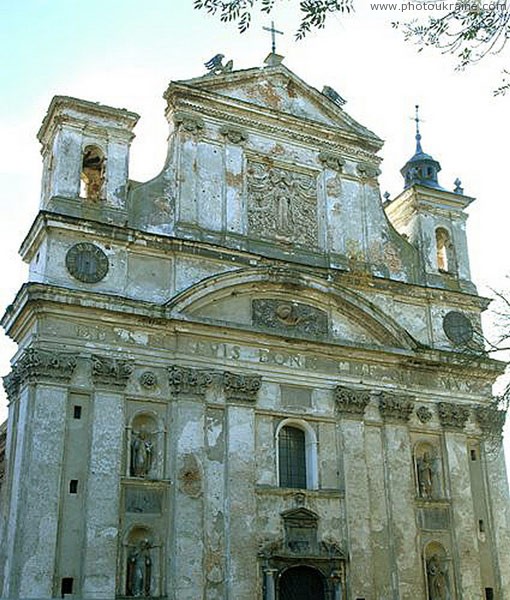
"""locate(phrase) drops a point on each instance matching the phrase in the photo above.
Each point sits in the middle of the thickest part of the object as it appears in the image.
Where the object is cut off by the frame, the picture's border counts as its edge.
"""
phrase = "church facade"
(248, 377)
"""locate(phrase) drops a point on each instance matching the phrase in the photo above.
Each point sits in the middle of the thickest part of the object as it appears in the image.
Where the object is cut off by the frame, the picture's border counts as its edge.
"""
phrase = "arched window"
(92, 173)
(444, 250)
(297, 455)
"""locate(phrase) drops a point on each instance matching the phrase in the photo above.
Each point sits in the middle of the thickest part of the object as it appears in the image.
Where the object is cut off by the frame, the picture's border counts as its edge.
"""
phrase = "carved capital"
(395, 407)
(111, 371)
(331, 161)
(189, 122)
(11, 385)
(452, 416)
(35, 365)
(184, 380)
(351, 402)
(491, 420)
(235, 135)
(241, 387)
(368, 171)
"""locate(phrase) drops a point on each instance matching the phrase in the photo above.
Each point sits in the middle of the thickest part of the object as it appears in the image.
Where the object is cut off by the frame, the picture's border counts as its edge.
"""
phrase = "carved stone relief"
(111, 371)
(368, 171)
(491, 420)
(452, 416)
(395, 407)
(241, 387)
(351, 402)
(424, 414)
(282, 204)
(148, 380)
(294, 316)
(184, 380)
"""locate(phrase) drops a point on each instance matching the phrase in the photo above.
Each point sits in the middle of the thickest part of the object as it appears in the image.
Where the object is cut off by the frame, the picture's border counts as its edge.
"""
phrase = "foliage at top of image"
(470, 32)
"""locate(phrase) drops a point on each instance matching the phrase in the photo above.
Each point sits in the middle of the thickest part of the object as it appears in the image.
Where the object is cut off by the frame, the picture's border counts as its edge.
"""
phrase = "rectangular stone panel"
(296, 396)
(140, 500)
(434, 518)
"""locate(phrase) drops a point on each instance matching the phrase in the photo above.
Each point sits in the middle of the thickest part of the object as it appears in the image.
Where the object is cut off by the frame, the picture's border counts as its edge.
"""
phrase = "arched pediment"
(289, 303)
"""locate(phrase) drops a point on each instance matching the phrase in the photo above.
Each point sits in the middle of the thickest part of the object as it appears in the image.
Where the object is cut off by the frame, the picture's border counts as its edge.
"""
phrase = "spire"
(418, 134)
(421, 169)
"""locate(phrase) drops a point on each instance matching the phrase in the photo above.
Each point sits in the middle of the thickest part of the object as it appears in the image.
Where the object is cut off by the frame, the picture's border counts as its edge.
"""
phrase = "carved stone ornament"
(189, 122)
(294, 316)
(453, 416)
(490, 419)
(282, 204)
(351, 402)
(241, 387)
(331, 161)
(234, 135)
(424, 414)
(148, 380)
(36, 365)
(184, 380)
(111, 371)
(395, 407)
(368, 171)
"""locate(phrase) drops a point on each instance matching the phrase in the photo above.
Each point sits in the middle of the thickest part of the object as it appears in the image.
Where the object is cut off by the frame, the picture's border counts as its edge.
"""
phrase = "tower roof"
(421, 168)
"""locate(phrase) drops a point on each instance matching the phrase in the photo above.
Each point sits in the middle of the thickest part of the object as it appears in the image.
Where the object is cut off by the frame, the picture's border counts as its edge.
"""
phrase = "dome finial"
(418, 134)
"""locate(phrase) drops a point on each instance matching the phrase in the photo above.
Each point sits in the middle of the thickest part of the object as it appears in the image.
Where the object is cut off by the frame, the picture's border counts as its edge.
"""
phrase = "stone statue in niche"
(428, 485)
(139, 567)
(437, 577)
(142, 450)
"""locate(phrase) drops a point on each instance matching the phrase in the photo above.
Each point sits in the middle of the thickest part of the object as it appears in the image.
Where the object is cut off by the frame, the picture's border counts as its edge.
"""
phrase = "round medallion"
(457, 327)
(87, 262)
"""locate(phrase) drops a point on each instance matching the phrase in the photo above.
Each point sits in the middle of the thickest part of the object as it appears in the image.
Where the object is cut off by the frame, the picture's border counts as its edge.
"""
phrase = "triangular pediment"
(278, 89)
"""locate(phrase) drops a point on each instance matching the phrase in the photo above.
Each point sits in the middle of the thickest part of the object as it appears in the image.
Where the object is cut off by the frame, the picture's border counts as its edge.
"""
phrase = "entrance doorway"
(301, 583)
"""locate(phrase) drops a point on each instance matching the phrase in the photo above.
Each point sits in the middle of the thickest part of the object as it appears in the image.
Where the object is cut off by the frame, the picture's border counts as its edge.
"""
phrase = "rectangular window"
(292, 457)
(66, 586)
(77, 411)
(73, 486)
(489, 594)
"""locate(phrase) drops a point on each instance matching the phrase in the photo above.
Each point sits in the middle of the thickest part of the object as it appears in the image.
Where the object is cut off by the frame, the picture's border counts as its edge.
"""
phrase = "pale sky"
(124, 53)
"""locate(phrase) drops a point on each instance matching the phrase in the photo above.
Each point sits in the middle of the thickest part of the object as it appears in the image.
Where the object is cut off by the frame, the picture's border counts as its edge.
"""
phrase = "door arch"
(301, 583)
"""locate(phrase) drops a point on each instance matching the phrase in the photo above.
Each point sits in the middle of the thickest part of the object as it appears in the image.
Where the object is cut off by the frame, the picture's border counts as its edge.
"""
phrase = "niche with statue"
(145, 441)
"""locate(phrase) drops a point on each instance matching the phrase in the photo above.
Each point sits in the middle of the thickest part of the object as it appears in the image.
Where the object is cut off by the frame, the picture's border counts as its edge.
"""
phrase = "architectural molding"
(111, 371)
(235, 135)
(351, 402)
(452, 416)
(330, 160)
(188, 381)
(241, 387)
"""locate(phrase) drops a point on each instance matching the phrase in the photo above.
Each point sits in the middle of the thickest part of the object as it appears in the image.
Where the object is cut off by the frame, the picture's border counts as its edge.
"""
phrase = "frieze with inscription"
(292, 316)
(282, 204)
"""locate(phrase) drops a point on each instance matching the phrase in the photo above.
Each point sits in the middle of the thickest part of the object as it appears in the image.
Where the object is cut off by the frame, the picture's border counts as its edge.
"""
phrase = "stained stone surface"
(257, 283)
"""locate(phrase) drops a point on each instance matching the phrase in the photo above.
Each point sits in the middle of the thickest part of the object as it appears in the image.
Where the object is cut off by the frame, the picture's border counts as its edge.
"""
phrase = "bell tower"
(433, 219)
(85, 148)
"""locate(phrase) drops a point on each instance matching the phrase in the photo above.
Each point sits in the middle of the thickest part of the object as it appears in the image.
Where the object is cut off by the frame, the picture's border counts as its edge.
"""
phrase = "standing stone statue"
(427, 482)
(141, 453)
(139, 570)
(437, 576)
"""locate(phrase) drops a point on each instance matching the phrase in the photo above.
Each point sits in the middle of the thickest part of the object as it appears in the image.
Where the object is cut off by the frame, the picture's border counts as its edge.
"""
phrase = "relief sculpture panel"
(282, 204)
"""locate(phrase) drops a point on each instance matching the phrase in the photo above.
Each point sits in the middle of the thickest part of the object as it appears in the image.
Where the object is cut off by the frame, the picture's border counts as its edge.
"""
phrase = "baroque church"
(251, 377)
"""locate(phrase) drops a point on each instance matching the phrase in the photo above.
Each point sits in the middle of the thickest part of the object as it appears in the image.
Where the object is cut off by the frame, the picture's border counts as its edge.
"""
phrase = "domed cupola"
(421, 169)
